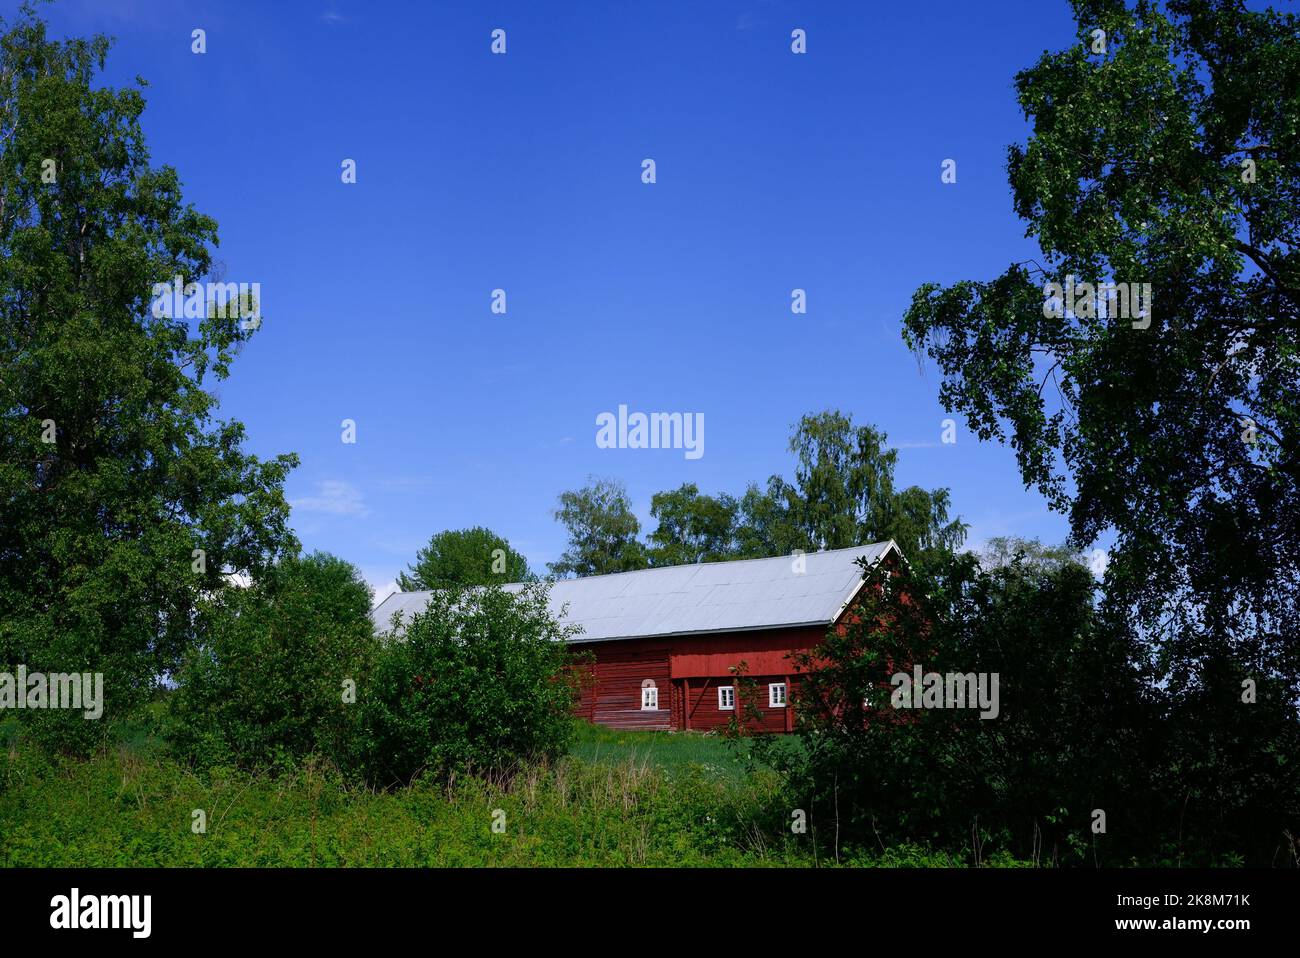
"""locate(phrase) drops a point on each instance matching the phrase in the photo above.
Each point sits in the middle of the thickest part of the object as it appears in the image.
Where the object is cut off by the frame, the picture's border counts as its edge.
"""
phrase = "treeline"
(843, 494)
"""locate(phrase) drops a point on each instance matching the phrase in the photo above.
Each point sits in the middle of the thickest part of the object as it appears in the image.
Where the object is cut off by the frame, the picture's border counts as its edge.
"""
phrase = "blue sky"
(522, 172)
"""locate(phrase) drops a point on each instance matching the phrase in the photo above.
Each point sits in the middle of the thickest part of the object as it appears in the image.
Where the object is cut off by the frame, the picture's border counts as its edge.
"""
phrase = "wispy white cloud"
(378, 593)
(334, 497)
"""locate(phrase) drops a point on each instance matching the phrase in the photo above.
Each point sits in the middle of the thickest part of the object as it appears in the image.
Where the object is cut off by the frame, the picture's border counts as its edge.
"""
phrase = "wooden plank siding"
(688, 672)
(705, 715)
(613, 697)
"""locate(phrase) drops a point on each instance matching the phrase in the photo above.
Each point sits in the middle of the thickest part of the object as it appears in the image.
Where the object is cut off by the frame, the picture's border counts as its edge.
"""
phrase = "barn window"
(649, 699)
(776, 695)
(726, 697)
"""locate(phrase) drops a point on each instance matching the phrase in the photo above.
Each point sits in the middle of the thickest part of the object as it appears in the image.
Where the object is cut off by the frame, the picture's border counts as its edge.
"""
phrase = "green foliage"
(123, 810)
(1080, 726)
(843, 495)
(478, 681)
(461, 557)
(265, 684)
(602, 531)
(918, 521)
(930, 776)
(113, 469)
(1172, 159)
(692, 527)
(909, 855)
(843, 481)
(762, 528)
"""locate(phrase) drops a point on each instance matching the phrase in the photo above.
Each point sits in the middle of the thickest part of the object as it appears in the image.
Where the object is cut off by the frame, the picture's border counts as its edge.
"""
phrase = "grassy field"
(621, 799)
(665, 750)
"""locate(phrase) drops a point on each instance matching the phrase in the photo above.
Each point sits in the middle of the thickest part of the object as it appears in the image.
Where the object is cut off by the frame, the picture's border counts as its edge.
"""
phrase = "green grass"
(665, 750)
(137, 809)
(620, 799)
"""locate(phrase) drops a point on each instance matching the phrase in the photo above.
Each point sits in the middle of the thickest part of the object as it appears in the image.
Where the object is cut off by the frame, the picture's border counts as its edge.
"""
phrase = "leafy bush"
(478, 680)
(266, 681)
(1026, 780)
(1080, 727)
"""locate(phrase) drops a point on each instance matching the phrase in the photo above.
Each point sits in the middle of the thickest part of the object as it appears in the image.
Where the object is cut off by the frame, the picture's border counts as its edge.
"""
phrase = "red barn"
(665, 640)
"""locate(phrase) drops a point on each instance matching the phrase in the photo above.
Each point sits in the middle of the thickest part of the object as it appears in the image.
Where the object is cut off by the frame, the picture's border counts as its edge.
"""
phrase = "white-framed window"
(726, 697)
(776, 695)
(649, 699)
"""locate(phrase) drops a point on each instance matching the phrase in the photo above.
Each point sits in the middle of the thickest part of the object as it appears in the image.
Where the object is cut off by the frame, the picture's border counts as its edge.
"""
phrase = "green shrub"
(476, 681)
(127, 810)
(267, 682)
(1061, 744)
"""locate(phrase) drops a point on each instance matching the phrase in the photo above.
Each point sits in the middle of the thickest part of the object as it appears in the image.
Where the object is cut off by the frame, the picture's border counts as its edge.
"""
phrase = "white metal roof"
(692, 599)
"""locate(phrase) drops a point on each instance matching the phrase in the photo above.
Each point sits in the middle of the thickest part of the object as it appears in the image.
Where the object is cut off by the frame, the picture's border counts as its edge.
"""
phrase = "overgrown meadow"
(672, 800)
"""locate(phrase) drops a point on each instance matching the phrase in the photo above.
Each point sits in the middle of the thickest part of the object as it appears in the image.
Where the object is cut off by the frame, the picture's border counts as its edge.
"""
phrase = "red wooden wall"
(701, 696)
(612, 696)
(687, 672)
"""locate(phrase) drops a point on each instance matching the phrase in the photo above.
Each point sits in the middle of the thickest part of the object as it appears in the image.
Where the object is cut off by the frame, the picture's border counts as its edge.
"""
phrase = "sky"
(523, 172)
